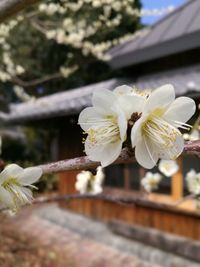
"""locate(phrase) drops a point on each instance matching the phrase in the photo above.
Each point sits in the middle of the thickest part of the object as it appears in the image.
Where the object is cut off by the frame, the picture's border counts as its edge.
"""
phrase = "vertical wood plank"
(126, 172)
(177, 182)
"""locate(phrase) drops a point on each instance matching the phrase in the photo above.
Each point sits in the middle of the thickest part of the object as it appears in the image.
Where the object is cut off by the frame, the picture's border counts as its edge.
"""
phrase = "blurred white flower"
(19, 69)
(193, 182)
(195, 135)
(151, 181)
(66, 72)
(186, 136)
(168, 167)
(89, 183)
(22, 95)
(106, 125)
(15, 184)
(155, 134)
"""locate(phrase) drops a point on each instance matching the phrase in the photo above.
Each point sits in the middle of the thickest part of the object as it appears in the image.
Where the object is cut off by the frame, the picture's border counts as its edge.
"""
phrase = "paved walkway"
(47, 236)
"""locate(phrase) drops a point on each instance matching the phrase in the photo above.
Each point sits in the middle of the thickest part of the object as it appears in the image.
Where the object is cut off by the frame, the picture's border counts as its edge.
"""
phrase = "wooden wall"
(171, 221)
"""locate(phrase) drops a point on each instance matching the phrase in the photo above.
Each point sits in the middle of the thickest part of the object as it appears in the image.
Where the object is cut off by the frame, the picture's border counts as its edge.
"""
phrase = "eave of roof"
(66, 103)
(177, 32)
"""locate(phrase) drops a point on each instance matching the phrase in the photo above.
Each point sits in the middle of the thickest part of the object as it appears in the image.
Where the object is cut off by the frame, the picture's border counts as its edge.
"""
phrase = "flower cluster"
(89, 183)
(151, 118)
(151, 181)
(193, 182)
(15, 184)
(78, 32)
(8, 67)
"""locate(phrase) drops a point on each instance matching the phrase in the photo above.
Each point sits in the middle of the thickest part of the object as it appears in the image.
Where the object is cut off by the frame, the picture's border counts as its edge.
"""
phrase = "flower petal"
(111, 153)
(144, 154)
(26, 195)
(88, 117)
(105, 154)
(173, 152)
(123, 90)
(136, 132)
(6, 198)
(180, 110)
(122, 123)
(103, 100)
(131, 104)
(160, 97)
(30, 175)
(12, 170)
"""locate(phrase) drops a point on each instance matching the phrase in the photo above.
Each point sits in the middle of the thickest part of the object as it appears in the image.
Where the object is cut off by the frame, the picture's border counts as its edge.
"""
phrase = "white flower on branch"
(106, 126)
(155, 134)
(19, 70)
(15, 184)
(168, 167)
(22, 94)
(89, 183)
(151, 181)
(66, 72)
(193, 182)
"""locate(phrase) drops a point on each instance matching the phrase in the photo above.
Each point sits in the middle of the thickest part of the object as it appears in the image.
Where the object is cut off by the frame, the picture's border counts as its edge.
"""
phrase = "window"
(114, 176)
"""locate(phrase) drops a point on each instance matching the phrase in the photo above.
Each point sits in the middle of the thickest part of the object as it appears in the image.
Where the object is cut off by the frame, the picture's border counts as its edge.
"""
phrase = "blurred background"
(53, 56)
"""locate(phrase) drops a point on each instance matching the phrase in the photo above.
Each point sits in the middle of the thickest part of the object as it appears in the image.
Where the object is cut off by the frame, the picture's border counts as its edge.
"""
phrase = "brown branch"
(192, 148)
(126, 156)
(11, 7)
(38, 81)
(83, 163)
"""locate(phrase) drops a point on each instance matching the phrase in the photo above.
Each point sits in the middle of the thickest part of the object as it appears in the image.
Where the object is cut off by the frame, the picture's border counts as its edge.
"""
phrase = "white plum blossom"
(105, 125)
(89, 183)
(168, 167)
(15, 184)
(155, 134)
(193, 182)
(151, 181)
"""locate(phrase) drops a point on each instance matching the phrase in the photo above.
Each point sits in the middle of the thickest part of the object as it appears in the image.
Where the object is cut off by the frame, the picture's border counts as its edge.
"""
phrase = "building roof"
(177, 32)
(71, 102)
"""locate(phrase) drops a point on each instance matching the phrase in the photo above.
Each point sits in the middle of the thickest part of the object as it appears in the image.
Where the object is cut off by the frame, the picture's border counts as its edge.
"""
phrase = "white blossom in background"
(194, 135)
(86, 182)
(168, 167)
(151, 181)
(193, 182)
(22, 95)
(66, 72)
(155, 135)
(105, 125)
(15, 184)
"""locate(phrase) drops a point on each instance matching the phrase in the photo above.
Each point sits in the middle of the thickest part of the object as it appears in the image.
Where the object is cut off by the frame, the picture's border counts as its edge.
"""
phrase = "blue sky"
(150, 4)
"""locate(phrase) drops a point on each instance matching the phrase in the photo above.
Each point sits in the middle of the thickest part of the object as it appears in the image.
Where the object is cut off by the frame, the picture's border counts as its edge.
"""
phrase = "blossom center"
(160, 132)
(9, 183)
(104, 131)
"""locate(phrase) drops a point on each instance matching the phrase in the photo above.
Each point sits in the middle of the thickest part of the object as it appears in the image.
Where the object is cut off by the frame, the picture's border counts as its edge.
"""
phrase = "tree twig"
(38, 81)
(11, 7)
(126, 156)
